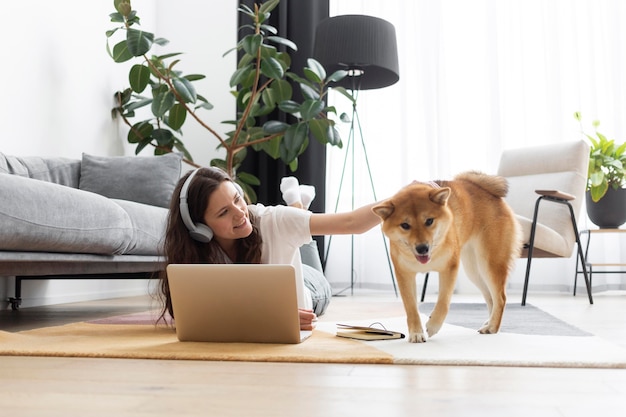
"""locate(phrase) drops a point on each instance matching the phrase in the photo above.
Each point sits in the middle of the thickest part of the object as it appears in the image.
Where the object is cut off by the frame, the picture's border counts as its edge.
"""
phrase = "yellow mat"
(151, 342)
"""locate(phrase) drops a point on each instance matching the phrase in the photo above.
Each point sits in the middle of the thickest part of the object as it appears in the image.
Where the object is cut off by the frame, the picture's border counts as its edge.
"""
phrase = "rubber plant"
(260, 84)
(607, 163)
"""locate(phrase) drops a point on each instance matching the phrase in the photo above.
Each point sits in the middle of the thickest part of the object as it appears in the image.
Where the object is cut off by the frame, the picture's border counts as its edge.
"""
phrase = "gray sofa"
(95, 217)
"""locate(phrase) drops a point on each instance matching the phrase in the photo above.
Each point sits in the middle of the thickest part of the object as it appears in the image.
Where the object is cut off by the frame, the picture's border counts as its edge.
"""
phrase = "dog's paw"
(433, 328)
(486, 329)
(415, 337)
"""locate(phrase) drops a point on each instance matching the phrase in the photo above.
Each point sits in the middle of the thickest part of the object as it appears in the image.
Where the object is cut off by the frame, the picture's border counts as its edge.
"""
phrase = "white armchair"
(558, 174)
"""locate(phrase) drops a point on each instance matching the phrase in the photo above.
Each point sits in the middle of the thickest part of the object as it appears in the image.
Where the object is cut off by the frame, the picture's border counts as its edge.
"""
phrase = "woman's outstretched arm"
(348, 223)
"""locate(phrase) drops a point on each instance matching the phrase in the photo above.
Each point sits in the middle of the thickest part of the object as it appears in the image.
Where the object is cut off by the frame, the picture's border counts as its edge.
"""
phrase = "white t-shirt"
(283, 230)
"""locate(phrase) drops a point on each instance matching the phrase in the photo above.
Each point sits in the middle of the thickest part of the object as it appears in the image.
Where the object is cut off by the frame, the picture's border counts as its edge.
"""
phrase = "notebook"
(235, 303)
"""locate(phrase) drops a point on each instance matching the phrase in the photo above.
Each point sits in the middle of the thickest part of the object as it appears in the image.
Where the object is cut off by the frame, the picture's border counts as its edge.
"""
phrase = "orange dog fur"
(434, 227)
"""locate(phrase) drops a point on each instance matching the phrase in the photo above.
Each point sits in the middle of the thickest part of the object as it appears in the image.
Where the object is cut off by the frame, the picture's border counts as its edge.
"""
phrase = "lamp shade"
(357, 42)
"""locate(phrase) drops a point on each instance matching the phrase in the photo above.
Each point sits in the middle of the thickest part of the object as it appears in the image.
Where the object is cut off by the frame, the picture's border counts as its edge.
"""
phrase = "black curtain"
(295, 20)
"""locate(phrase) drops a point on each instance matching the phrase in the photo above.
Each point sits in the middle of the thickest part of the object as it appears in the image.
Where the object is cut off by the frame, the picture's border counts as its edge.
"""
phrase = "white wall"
(58, 84)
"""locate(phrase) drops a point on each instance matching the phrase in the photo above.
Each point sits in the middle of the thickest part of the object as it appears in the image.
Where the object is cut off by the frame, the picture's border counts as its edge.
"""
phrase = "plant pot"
(610, 211)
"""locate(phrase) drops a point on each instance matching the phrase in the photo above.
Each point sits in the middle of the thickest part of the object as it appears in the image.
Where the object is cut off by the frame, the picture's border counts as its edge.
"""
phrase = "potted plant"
(259, 83)
(606, 178)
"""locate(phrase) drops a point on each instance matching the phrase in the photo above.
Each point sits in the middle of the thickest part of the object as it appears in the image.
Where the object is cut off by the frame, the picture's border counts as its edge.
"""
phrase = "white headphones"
(200, 231)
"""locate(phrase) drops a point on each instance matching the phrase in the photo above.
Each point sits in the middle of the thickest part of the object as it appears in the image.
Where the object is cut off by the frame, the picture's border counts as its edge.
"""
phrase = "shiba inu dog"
(434, 226)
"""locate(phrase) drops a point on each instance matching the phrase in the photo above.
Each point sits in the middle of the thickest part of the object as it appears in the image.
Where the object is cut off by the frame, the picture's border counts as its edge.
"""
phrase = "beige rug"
(454, 345)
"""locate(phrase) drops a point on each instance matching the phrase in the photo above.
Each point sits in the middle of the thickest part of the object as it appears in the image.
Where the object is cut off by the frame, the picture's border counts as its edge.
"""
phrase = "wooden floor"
(32, 386)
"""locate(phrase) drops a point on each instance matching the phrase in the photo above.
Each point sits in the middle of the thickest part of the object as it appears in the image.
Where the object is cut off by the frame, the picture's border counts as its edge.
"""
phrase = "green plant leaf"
(162, 103)
(176, 116)
(140, 132)
(116, 17)
(163, 136)
(309, 92)
(139, 77)
(161, 41)
(268, 6)
(337, 76)
(312, 76)
(319, 128)
(194, 77)
(310, 109)
(204, 103)
(239, 75)
(282, 41)
(251, 44)
(289, 106)
(345, 93)
(269, 29)
(274, 126)
(295, 136)
(185, 89)
(282, 90)
(138, 104)
(317, 68)
(272, 68)
(598, 192)
(121, 52)
(139, 42)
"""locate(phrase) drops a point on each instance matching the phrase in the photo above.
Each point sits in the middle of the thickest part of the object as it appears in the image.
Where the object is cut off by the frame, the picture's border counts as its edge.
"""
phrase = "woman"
(210, 222)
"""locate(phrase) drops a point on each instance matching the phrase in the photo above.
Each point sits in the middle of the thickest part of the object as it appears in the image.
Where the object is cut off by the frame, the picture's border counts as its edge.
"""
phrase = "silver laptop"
(235, 303)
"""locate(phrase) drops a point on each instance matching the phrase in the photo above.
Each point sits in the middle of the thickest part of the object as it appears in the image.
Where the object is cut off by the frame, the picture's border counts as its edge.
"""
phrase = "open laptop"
(254, 303)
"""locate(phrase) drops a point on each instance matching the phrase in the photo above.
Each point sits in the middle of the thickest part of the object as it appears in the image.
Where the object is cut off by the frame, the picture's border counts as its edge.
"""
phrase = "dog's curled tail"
(493, 184)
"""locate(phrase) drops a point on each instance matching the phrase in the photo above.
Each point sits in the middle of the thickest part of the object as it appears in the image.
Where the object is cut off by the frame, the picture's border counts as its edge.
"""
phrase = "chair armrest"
(556, 194)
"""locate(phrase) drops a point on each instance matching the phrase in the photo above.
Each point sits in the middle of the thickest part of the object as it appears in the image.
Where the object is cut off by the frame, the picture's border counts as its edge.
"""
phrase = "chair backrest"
(561, 166)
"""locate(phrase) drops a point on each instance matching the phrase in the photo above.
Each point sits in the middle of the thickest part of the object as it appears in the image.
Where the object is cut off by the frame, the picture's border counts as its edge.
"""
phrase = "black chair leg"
(531, 244)
(424, 287)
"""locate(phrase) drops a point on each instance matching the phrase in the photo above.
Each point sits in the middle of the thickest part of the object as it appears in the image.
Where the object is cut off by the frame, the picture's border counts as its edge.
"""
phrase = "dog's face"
(416, 219)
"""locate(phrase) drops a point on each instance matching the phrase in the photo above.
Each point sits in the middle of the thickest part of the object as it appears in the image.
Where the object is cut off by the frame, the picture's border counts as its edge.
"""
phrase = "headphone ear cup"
(201, 233)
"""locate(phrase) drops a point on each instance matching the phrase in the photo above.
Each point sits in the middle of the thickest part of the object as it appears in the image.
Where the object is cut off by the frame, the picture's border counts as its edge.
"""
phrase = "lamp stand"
(350, 152)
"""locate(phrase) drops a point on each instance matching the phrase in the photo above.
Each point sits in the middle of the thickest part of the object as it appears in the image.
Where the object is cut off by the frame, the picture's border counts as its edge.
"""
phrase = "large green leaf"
(289, 106)
(140, 132)
(319, 128)
(272, 68)
(251, 44)
(295, 136)
(240, 75)
(283, 41)
(316, 68)
(185, 89)
(138, 104)
(310, 109)
(162, 103)
(139, 77)
(268, 6)
(176, 116)
(139, 42)
(121, 52)
(309, 92)
(274, 126)
(162, 136)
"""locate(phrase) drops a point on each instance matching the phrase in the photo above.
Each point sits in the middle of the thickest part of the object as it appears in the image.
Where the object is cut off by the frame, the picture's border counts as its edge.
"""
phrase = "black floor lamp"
(366, 48)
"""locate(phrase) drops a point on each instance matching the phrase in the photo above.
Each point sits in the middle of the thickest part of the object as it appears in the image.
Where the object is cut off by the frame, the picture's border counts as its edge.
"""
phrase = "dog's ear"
(440, 196)
(384, 209)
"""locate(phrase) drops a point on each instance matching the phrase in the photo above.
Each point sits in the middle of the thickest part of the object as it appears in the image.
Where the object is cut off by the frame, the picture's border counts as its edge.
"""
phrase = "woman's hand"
(308, 319)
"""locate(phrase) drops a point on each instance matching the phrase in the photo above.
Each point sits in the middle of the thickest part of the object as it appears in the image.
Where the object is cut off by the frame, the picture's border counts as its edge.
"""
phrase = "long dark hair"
(180, 248)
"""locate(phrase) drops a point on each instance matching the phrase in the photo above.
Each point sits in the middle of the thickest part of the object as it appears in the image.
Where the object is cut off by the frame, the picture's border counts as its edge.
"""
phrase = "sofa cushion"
(143, 179)
(64, 171)
(43, 216)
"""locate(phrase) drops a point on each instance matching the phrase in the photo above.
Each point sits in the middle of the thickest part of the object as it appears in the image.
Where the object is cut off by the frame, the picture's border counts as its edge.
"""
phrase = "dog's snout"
(422, 249)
